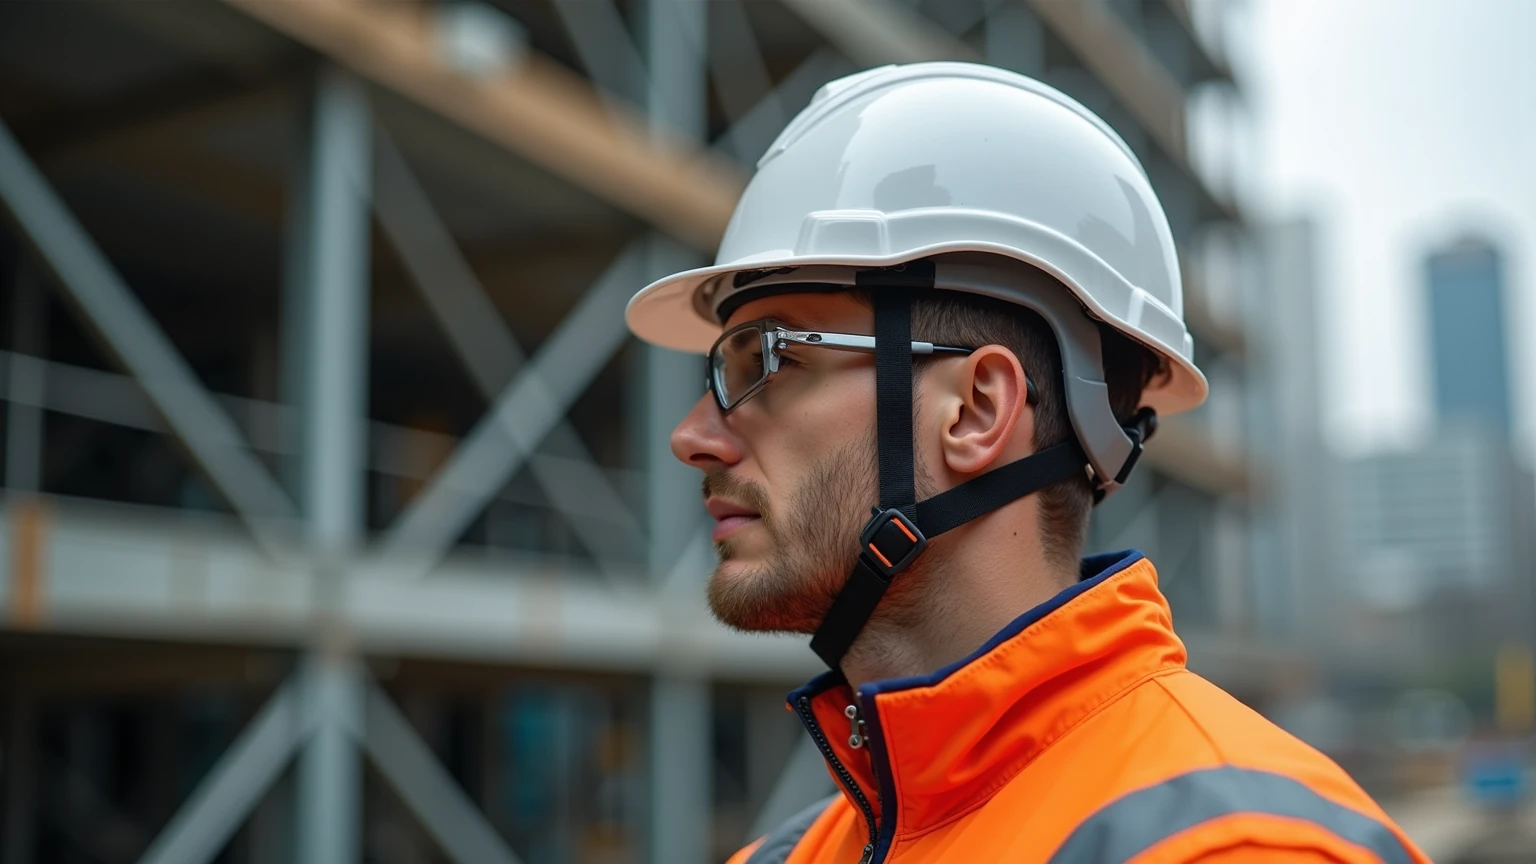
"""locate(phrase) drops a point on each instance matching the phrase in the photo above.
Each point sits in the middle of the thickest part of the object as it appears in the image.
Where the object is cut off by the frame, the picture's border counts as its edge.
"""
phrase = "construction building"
(339, 520)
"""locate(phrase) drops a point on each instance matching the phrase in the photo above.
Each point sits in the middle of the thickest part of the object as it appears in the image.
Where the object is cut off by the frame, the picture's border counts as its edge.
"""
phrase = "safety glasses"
(746, 357)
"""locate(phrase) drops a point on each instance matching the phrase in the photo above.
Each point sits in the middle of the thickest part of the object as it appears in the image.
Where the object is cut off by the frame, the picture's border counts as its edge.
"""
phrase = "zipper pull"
(856, 736)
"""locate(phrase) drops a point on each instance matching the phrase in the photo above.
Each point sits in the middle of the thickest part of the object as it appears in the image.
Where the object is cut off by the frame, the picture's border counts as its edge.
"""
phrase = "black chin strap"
(901, 526)
(893, 398)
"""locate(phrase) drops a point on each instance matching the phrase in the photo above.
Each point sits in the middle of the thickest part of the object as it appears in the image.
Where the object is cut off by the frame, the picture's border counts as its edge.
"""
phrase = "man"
(942, 324)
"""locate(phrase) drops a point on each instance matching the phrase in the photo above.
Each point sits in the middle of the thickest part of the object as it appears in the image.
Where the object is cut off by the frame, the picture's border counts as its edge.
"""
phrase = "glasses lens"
(737, 365)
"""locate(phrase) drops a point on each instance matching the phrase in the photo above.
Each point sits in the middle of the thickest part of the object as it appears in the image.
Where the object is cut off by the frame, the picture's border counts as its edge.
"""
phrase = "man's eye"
(788, 360)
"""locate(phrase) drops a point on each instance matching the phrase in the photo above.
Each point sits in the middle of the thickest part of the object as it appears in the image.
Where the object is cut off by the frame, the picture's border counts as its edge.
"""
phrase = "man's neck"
(974, 583)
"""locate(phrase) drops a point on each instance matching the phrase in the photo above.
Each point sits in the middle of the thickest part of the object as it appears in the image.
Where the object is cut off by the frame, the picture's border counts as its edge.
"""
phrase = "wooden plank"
(538, 110)
(29, 527)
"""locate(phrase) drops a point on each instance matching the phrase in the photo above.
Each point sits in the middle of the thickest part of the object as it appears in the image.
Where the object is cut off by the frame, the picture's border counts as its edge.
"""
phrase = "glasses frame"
(776, 336)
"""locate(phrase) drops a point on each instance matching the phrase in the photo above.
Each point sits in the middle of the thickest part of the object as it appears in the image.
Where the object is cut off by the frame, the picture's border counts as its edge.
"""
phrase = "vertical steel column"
(681, 750)
(335, 346)
(24, 413)
(674, 49)
(681, 756)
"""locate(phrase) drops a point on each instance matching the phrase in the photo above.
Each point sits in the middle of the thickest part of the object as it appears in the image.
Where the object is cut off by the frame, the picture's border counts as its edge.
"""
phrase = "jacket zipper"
(803, 708)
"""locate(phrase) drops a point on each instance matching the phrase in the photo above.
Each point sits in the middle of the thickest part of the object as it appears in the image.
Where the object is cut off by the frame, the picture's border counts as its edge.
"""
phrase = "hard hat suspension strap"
(893, 398)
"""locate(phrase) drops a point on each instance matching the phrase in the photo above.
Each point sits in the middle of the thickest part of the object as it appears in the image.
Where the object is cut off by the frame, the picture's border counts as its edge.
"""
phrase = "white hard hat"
(908, 162)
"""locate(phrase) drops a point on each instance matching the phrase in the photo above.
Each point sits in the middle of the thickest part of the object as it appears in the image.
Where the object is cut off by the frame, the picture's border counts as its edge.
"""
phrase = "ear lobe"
(994, 399)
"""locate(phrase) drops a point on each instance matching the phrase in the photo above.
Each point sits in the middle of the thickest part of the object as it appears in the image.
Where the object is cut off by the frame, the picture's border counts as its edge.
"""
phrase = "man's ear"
(989, 410)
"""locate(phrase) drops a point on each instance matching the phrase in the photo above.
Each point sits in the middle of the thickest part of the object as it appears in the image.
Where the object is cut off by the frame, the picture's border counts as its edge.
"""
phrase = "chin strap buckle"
(890, 542)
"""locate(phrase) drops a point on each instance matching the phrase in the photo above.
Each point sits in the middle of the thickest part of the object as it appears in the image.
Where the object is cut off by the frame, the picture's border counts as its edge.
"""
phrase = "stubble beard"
(814, 543)
(814, 539)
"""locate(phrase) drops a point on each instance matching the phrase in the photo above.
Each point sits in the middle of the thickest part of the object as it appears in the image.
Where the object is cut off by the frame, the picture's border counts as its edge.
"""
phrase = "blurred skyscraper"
(1466, 314)
(1436, 540)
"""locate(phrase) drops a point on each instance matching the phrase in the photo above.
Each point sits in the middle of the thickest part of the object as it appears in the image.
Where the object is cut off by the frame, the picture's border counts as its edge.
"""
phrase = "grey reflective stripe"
(1146, 817)
(782, 840)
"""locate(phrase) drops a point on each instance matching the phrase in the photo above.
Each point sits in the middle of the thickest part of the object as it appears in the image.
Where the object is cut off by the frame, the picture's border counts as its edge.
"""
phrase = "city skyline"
(1394, 156)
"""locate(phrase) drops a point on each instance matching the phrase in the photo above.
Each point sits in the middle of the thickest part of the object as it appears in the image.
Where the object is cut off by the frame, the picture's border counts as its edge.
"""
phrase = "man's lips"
(729, 518)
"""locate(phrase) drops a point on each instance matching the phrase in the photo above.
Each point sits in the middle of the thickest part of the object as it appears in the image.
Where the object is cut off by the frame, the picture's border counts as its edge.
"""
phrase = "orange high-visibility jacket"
(1074, 735)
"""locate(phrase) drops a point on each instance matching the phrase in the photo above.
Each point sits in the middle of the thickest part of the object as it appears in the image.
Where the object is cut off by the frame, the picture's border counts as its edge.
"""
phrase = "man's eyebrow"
(792, 322)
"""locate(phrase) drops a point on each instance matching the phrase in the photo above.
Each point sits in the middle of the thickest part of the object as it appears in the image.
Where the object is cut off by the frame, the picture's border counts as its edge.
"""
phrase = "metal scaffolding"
(623, 126)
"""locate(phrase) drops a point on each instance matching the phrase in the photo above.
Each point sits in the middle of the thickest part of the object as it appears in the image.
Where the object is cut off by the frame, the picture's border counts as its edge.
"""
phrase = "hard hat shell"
(905, 162)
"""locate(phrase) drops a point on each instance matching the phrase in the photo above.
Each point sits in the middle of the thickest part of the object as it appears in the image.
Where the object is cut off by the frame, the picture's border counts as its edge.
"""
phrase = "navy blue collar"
(1093, 570)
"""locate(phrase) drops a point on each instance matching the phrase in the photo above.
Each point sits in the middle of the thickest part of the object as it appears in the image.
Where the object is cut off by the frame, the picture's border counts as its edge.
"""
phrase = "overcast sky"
(1398, 124)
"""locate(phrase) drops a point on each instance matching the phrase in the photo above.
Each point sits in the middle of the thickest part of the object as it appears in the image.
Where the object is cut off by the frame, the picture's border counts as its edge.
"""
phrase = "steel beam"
(237, 781)
(677, 99)
(330, 794)
(673, 34)
(188, 579)
(334, 417)
(680, 720)
(680, 769)
(335, 325)
(571, 480)
(436, 798)
(522, 415)
(128, 332)
(396, 451)
(741, 77)
(605, 47)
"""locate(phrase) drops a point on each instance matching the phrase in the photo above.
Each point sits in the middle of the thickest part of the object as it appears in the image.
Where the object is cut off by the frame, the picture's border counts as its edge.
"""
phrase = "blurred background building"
(1438, 541)
(1466, 314)
(339, 521)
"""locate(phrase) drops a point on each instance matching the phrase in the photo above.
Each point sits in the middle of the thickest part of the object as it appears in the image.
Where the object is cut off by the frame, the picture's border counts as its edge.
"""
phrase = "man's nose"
(702, 440)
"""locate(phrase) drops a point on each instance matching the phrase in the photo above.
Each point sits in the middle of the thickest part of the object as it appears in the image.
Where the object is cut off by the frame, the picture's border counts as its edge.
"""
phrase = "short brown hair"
(972, 320)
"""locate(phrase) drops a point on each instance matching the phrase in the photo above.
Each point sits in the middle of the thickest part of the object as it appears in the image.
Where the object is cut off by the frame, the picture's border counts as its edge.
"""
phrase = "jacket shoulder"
(1254, 786)
(1239, 735)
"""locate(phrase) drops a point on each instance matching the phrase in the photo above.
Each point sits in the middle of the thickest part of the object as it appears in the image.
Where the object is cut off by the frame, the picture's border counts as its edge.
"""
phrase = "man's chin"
(755, 599)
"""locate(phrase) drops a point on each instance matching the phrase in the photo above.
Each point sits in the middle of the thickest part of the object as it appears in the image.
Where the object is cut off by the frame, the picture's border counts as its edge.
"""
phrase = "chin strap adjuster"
(891, 542)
